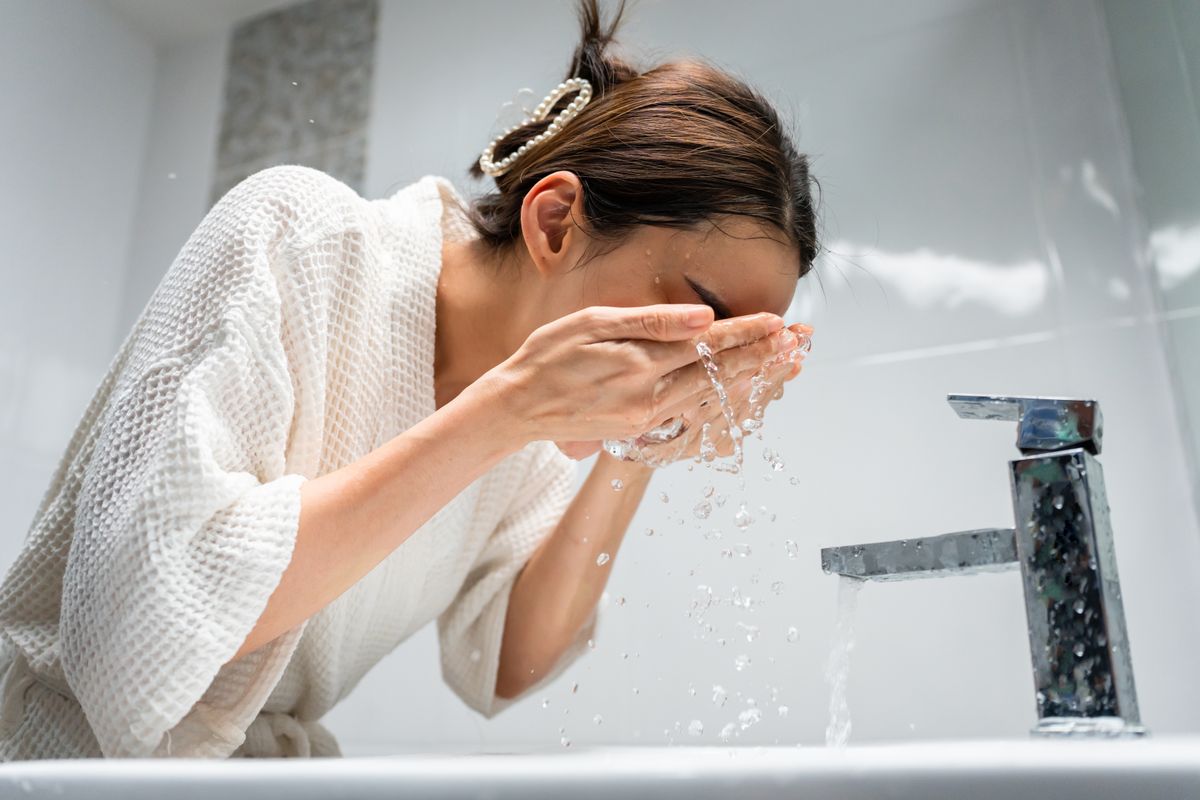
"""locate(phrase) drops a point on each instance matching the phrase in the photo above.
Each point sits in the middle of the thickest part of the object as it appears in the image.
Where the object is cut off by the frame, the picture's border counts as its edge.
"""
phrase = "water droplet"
(720, 500)
(793, 635)
(774, 459)
(617, 484)
(602, 559)
(597, 719)
(794, 481)
(695, 728)
(726, 553)
(546, 703)
(636, 691)
(294, 83)
(793, 549)
(565, 742)
(751, 631)
(621, 600)
(592, 644)
(749, 717)
(702, 509)
(783, 711)
(663, 496)
(743, 519)
(1079, 649)
(719, 695)
(708, 490)
(777, 587)
(741, 662)
(727, 732)
(742, 549)
(1079, 606)
(649, 531)
(1058, 501)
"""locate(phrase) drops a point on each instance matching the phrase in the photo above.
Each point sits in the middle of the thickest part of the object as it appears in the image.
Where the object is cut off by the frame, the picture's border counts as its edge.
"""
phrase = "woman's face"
(735, 269)
(738, 268)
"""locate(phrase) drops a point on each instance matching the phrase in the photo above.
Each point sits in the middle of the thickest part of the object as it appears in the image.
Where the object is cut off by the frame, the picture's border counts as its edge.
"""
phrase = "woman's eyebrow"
(710, 298)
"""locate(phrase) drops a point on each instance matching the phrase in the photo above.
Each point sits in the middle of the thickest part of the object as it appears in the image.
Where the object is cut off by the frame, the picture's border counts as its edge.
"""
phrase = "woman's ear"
(549, 222)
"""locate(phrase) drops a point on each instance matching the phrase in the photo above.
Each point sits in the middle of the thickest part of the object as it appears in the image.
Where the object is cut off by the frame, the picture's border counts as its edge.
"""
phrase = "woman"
(338, 419)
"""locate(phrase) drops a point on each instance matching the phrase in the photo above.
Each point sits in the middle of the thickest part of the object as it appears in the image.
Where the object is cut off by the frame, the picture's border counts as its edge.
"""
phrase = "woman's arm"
(560, 584)
(352, 518)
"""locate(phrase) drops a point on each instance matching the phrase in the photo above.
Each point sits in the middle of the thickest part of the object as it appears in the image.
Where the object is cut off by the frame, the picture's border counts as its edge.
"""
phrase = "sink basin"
(978, 769)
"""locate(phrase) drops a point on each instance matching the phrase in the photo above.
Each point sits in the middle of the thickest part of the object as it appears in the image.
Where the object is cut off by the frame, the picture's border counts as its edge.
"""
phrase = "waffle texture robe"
(292, 334)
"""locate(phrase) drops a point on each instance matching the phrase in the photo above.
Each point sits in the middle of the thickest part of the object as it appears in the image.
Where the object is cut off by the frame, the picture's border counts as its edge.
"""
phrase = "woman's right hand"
(615, 372)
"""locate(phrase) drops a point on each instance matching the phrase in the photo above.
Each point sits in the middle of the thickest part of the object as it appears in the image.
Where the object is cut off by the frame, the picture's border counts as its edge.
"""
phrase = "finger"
(754, 330)
(783, 344)
(663, 322)
(736, 331)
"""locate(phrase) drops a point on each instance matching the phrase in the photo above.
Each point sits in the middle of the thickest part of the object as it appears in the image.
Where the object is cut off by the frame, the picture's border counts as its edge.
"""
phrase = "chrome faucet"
(1062, 543)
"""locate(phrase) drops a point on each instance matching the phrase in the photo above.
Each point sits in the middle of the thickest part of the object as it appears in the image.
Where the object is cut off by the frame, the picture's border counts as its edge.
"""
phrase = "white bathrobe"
(293, 334)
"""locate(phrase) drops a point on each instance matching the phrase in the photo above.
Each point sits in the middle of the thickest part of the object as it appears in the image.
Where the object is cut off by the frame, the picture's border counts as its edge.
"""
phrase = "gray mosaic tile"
(298, 91)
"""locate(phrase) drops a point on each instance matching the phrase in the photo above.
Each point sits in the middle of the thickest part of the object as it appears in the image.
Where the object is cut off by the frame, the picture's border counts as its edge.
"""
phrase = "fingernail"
(699, 317)
(786, 341)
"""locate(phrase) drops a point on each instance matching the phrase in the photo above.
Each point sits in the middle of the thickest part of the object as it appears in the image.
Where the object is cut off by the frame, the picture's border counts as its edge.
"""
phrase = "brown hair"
(678, 145)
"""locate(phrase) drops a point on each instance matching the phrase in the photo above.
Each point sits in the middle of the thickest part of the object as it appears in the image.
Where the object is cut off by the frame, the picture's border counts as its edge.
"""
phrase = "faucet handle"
(1044, 424)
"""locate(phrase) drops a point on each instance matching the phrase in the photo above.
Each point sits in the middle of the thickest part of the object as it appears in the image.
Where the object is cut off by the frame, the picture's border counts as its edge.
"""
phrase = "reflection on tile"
(927, 280)
(298, 91)
(1176, 252)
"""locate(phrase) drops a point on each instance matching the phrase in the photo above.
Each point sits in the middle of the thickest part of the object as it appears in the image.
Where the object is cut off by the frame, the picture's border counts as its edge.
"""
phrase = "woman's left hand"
(736, 366)
(744, 401)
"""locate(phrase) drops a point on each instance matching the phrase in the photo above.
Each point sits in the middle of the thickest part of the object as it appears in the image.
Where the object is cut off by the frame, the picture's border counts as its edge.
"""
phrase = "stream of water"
(837, 669)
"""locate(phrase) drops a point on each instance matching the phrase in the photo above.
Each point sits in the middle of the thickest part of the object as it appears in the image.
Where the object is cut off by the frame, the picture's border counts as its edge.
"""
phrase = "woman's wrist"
(495, 399)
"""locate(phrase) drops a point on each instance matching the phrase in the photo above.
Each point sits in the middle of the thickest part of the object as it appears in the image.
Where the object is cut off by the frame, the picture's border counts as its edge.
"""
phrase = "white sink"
(1154, 767)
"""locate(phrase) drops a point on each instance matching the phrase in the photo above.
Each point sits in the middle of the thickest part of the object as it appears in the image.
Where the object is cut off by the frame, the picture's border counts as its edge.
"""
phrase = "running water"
(837, 669)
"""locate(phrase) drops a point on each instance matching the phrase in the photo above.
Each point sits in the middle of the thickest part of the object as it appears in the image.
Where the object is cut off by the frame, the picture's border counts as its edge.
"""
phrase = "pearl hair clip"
(496, 168)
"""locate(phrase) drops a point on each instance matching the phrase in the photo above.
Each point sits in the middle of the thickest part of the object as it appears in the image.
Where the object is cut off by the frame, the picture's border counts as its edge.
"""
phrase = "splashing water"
(837, 669)
(652, 448)
(639, 448)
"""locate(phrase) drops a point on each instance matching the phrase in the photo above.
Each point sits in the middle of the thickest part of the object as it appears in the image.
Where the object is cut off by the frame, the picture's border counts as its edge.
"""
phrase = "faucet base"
(1087, 726)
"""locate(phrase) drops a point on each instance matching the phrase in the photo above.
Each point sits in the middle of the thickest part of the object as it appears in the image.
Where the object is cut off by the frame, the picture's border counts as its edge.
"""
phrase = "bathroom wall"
(77, 88)
(980, 208)
(1156, 49)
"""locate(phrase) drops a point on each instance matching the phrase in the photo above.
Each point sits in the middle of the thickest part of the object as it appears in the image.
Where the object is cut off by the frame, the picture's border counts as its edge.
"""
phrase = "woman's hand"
(615, 372)
(751, 380)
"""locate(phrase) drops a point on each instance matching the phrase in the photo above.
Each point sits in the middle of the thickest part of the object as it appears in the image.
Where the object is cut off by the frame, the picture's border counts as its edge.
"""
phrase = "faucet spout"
(963, 553)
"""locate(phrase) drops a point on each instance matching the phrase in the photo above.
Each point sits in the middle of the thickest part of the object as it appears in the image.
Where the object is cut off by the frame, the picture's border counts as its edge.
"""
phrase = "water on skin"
(638, 448)
(837, 669)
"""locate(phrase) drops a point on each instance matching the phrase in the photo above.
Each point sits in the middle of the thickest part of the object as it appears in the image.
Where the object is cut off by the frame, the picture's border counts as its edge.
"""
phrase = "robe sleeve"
(187, 513)
(471, 629)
